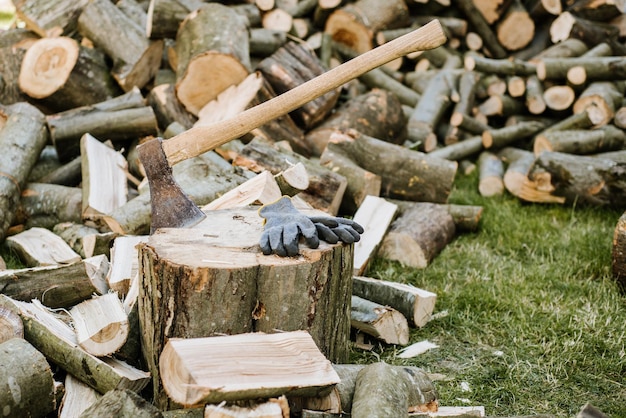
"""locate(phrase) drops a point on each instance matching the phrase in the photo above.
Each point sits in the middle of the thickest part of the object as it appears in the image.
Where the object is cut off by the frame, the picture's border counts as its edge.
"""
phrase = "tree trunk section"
(211, 43)
(50, 19)
(381, 391)
(201, 294)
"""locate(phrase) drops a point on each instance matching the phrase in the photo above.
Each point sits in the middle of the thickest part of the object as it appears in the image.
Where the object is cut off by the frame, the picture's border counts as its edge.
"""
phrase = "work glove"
(333, 229)
(284, 225)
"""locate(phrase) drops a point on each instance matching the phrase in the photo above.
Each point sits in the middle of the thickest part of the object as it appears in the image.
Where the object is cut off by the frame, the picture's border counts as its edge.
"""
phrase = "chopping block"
(212, 279)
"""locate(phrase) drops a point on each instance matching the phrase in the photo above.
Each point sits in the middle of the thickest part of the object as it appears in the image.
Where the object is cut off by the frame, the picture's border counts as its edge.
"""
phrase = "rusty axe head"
(171, 207)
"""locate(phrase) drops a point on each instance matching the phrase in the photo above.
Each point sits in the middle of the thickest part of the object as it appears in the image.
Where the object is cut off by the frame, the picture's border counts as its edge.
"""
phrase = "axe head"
(171, 207)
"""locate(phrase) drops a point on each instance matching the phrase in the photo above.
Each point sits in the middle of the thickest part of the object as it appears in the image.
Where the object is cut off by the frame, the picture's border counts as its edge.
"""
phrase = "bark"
(381, 322)
(618, 253)
(50, 19)
(499, 66)
(22, 137)
(85, 240)
(164, 16)
(167, 108)
(45, 205)
(516, 28)
(606, 138)
(481, 26)
(381, 391)
(605, 96)
(502, 137)
(568, 25)
(490, 175)
(13, 46)
(121, 403)
(11, 325)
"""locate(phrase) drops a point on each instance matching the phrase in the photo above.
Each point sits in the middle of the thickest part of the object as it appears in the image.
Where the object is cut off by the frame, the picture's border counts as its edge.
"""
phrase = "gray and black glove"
(334, 229)
(283, 226)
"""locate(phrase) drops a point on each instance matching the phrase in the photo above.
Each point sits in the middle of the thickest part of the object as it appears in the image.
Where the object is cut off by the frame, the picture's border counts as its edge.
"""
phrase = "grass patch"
(534, 322)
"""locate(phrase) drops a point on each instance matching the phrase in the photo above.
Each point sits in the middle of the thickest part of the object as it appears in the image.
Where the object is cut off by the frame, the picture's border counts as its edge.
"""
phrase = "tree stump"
(213, 279)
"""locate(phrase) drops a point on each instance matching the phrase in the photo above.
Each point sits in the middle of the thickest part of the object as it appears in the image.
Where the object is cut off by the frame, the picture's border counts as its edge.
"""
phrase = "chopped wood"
(57, 341)
(41, 247)
(559, 97)
(592, 68)
(606, 98)
(601, 11)
(167, 109)
(259, 190)
(418, 235)
(27, 380)
(45, 205)
(603, 139)
(85, 240)
(499, 66)
(377, 113)
(135, 57)
(104, 178)
(277, 19)
(22, 137)
(101, 324)
(541, 8)
(49, 20)
(592, 33)
(124, 262)
(58, 286)
(502, 137)
(11, 325)
(375, 214)
(290, 66)
(381, 322)
(77, 397)
(516, 28)
(422, 393)
(466, 217)
(482, 27)
(122, 402)
(64, 75)
(66, 175)
(381, 391)
(211, 42)
(618, 253)
(272, 408)
(501, 105)
(460, 150)
(414, 303)
(264, 42)
(210, 370)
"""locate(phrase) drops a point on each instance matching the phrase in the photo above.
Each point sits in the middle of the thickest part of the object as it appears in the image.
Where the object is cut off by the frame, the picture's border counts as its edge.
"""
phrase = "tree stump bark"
(213, 279)
(211, 44)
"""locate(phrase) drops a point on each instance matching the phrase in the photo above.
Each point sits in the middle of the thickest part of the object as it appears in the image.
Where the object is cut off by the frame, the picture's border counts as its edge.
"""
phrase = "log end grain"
(346, 29)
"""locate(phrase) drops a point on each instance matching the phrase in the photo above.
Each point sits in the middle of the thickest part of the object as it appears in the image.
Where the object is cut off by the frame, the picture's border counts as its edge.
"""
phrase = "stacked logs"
(530, 91)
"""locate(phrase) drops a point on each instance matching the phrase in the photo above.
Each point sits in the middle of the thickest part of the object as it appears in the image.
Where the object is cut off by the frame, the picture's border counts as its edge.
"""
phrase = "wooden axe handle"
(201, 139)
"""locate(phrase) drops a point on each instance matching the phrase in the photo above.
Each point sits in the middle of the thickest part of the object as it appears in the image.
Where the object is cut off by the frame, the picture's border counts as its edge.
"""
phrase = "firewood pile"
(528, 92)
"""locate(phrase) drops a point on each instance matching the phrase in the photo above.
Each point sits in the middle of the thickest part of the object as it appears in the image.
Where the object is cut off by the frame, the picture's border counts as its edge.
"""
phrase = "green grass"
(527, 312)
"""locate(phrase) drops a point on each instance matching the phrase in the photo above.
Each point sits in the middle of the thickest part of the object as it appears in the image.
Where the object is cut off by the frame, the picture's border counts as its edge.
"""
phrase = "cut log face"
(47, 66)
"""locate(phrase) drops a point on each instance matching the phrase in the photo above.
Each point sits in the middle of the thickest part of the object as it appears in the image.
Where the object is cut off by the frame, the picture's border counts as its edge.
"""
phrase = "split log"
(381, 391)
(405, 174)
(306, 371)
(603, 139)
(272, 408)
(618, 253)
(422, 393)
(59, 286)
(326, 188)
(259, 190)
(381, 322)
(13, 46)
(57, 341)
(490, 175)
(63, 75)
(581, 120)
(418, 235)
(76, 398)
(41, 247)
(291, 66)
(101, 325)
(135, 58)
(605, 96)
(212, 42)
(122, 403)
(85, 240)
(26, 381)
(45, 205)
(124, 262)
(361, 183)
(466, 217)
(11, 325)
(49, 20)
(164, 16)
(356, 24)
(22, 137)
(415, 304)
(582, 179)
(120, 118)
(374, 215)
(104, 178)
(242, 296)
(377, 113)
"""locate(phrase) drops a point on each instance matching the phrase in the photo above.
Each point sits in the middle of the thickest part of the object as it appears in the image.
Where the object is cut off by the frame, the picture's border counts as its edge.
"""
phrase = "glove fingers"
(325, 220)
(276, 241)
(326, 233)
(264, 243)
(347, 234)
(290, 239)
(309, 232)
(357, 228)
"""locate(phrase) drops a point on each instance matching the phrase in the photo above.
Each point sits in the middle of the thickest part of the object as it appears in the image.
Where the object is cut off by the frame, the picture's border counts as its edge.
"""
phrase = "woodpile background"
(528, 92)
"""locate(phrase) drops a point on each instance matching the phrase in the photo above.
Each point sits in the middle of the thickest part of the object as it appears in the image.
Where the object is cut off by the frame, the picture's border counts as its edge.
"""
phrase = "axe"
(172, 208)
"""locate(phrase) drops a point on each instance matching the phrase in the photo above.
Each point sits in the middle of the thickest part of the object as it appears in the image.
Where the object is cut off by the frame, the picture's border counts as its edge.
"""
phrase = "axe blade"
(170, 205)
